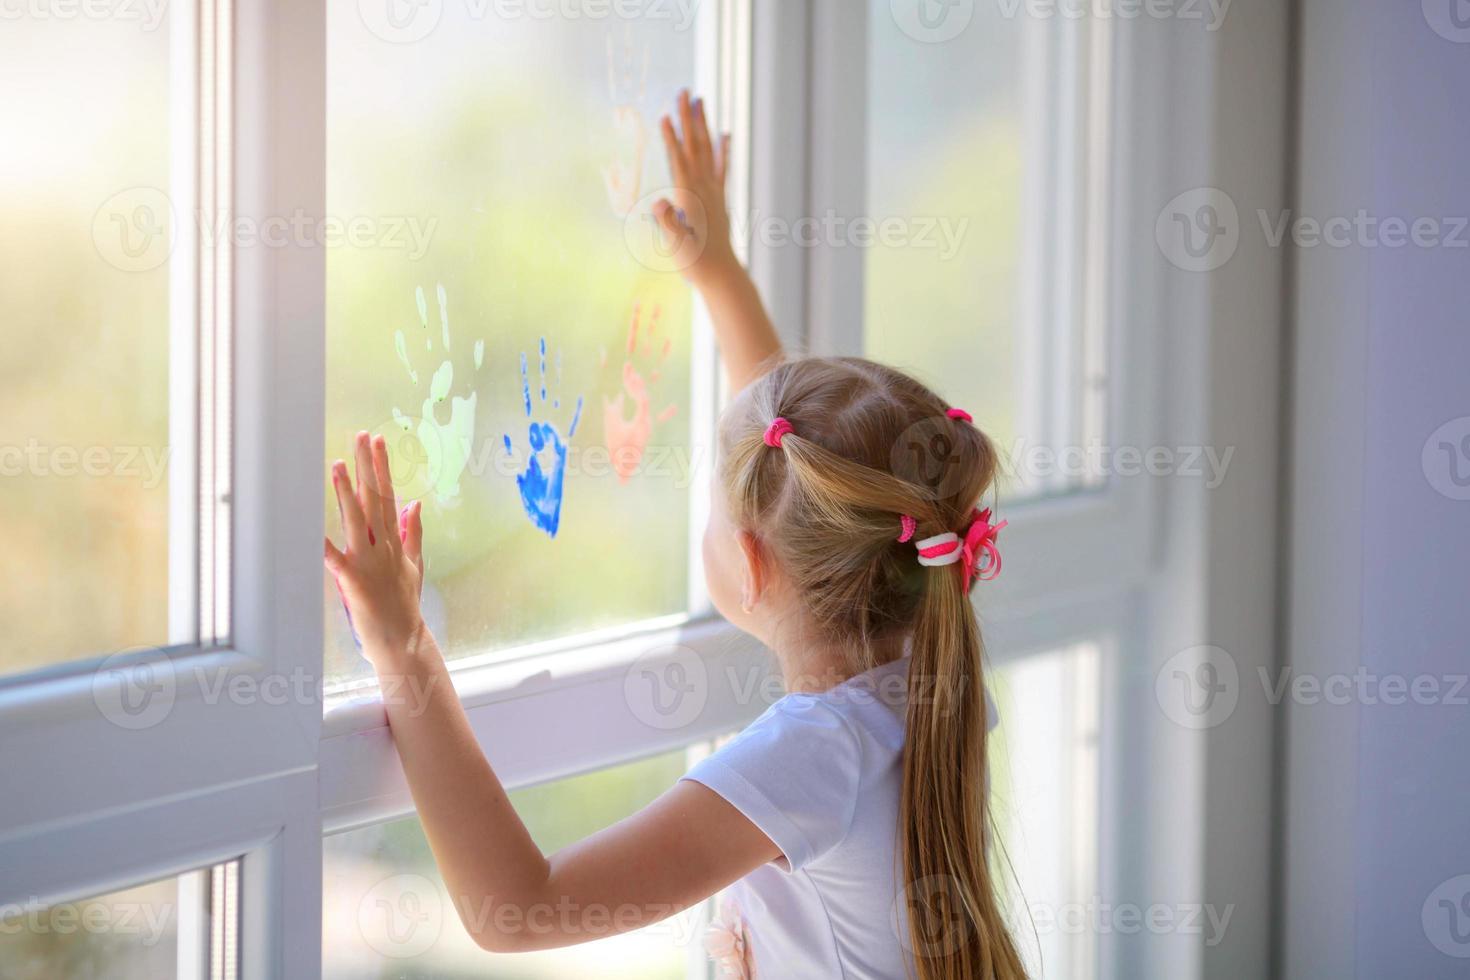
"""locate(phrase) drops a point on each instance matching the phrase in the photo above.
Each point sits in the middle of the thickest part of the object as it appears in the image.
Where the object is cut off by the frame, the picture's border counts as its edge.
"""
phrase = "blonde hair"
(867, 445)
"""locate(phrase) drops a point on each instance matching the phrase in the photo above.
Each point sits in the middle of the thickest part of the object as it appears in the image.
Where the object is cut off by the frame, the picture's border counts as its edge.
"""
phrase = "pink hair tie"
(776, 431)
(960, 415)
(977, 552)
(910, 528)
(980, 552)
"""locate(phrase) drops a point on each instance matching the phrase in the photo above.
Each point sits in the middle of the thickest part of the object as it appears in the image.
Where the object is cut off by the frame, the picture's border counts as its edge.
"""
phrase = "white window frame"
(102, 808)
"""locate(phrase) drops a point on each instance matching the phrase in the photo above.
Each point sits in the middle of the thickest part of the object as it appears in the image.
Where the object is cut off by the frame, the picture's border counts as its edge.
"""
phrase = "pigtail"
(808, 463)
(957, 930)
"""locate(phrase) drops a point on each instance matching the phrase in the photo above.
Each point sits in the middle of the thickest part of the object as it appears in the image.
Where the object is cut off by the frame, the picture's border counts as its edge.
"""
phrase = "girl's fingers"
(722, 165)
(367, 487)
(412, 528)
(678, 166)
(668, 219)
(383, 477)
(335, 561)
(354, 524)
(686, 128)
(704, 153)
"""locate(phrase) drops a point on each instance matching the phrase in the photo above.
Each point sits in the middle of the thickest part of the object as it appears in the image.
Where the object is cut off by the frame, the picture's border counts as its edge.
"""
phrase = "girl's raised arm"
(696, 226)
(682, 848)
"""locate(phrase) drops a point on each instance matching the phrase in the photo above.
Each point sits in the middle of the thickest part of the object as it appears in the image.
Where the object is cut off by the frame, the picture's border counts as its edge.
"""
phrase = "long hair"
(870, 444)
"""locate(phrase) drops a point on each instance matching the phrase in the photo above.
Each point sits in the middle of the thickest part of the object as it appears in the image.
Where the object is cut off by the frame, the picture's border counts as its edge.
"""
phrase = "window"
(488, 173)
(1044, 794)
(531, 369)
(388, 915)
(143, 933)
(86, 242)
(986, 148)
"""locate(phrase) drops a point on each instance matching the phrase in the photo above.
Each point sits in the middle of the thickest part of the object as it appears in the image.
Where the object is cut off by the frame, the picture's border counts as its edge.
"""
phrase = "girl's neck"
(810, 666)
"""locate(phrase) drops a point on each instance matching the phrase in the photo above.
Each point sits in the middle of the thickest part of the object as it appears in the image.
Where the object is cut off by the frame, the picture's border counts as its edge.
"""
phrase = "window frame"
(263, 782)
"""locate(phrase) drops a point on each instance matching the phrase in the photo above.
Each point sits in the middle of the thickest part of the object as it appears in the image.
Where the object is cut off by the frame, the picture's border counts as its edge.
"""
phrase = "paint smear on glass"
(627, 83)
(627, 437)
(446, 436)
(542, 482)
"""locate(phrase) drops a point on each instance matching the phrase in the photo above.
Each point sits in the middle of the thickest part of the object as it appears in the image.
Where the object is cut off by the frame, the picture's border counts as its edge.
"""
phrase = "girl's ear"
(754, 570)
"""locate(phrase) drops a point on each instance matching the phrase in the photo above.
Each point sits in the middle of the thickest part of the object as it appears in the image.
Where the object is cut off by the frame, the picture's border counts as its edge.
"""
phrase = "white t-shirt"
(820, 775)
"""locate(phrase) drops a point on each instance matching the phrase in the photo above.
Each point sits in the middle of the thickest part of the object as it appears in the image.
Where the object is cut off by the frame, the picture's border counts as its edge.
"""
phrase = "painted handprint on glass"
(627, 438)
(446, 443)
(542, 481)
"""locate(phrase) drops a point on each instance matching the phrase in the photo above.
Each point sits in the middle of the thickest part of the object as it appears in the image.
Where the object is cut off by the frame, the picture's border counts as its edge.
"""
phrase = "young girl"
(850, 817)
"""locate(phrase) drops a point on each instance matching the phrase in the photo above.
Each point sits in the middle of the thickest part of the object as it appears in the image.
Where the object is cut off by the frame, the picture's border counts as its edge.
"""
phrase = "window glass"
(387, 913)
(1044, 797)
(84, 382)
(493, 316)
(981, 278)
(128, 935)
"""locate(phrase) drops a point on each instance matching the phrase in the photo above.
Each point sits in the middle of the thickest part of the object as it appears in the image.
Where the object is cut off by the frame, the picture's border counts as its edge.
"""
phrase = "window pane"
(1045, 801)
(387, 914)
(128, 935)
(497, 166)
(984, 166)
(84, 383)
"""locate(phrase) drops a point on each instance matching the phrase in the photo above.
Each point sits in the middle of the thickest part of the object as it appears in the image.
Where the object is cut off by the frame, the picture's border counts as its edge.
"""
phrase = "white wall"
(1378, 795)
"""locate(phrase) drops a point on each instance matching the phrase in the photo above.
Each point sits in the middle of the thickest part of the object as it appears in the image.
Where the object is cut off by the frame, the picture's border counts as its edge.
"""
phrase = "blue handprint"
(542, 482)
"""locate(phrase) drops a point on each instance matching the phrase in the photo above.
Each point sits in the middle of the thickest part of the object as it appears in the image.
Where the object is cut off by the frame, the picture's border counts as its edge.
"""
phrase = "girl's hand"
(696, 223)
(381, 573)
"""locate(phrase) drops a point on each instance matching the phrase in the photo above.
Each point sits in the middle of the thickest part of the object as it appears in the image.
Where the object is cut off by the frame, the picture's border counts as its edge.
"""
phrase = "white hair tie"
(942, 549)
